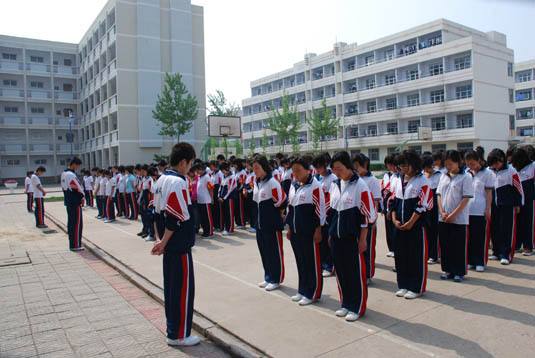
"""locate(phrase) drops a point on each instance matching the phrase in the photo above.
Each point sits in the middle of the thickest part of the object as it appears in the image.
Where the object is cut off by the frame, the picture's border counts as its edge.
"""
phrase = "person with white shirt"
(38, 195)
(88, 188)
(29, 191)
(217, 208)
(204, 200)
(525, 236)
(108, 193)
(73, 194)
(433, 176)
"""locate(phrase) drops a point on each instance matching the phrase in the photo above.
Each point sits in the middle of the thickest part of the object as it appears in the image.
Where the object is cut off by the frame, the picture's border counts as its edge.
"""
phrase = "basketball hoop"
(425, 133)
(224, 126)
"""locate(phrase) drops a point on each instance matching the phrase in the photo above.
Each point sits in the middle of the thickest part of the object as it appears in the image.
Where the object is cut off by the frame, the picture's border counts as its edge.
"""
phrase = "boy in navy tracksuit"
(431, 217)
(178, 238)
(226, 197)
(526, 171)
(387, 194)
(249, 202)
(306, 216)
(73, 199)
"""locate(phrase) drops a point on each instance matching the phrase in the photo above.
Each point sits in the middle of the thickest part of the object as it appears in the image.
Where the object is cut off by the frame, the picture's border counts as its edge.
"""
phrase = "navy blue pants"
(179, 293)
(369, 254)
(390, 232)
(431, 229)
(453, 248)
(411, 258)
(110, 208)
(478, 241)
(29, 202)
(252, 209)
(525, 233)
(74, 226)
(325, 250)
(207, 221)
(147, 219)
(133, 207)
(350, 268)
(88, 198)
(39, 211)
(272, 254)
(307, 258)
(101, 205)
(504, 232)
(228, 214)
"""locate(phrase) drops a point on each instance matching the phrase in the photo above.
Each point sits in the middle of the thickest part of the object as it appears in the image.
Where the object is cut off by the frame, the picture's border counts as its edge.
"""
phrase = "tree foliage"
(285, 123)
(322, 124)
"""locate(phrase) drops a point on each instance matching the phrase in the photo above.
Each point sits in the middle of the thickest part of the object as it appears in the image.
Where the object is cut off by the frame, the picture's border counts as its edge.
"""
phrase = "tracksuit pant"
(271, 250)
(478, 241)
(124, 201)
(525, 232)
(390, 232)
(74, 226)
(88, 194)
(101, 205)
(252, 209)
(308, 260)
(179, 293)
(227, 207)
(370, 254)
(453, 248)
(217, 210)
(39, 211)
(29, 202)
(325, 250)
(431, 229)
(159, 223)
(350, 267)
(207, 221)
(411, 258)
(239, 208)
(110, 208)
(133, 207)
(118, 203)
(504, 233)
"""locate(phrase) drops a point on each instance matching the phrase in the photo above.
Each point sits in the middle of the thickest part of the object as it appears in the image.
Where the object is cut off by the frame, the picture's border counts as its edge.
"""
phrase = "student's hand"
(407, 226)
(317, 235)
(44, 192)
(450, 218)
(397, 224)
(517, 209)
(362, 246)
(220, 200)
(389, 216)
(158, 248)
(289, 234)
(444, 215)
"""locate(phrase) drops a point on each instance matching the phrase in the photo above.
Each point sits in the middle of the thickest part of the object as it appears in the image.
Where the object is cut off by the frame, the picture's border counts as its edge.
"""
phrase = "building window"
(67, 62)
(352, 109)
(13, 162)
(371, 106)
(369, 60)
(462, 63)
(463, 92)
(525, 131)
(435, 148)
(464, 120)
(523, 76)
(37, 59)
(390, 80)
(437, 96)
(60, 137)
(523, 95)
(391, 150)
(40, 161)
(62, 162)
(373, 154)
(372, 130)
(353, 132)
(370, 83)
(11, 109)
(416, 148)
(37, 110)
(525, 113)
(67, 87)
(465, 146)
(511, 122)
(392, 128)
(436, 69)
(412, 75)
(438, 123)
(391, 103)
(9, 83)
(413, 100)
(9, 56)
(413, 126)
(509, 69)
(35, 84)
(511, 95)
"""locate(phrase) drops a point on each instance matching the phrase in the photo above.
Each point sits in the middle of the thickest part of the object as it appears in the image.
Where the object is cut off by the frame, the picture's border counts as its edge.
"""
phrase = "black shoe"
(446, 276)
(144, 235)
(42, 226)
(140, 233)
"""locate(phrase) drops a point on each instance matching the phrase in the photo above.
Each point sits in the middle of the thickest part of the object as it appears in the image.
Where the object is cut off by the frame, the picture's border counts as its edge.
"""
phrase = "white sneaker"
(431, 261)
(251, 229)
(390, 254)
(504, 262)
(150, 238)
(342, 312)
(240, 227)
(352, 317)
(411, 295)
(327, 273)
(402, 292)
(262, 284)
(225, 233)
(527, 253)
(188, 341)
(272, 286)
(305, 301)
(298, 297)
(480, 268)
(470, 267)
(493, 257)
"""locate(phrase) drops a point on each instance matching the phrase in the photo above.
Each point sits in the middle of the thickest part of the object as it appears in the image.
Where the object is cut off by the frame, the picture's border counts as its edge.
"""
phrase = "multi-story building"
(107, 84)
(455, 80)
(525, 100)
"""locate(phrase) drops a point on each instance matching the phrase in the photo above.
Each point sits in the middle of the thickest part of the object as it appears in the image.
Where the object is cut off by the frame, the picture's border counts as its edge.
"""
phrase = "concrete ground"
(55, 303)
(491, 314)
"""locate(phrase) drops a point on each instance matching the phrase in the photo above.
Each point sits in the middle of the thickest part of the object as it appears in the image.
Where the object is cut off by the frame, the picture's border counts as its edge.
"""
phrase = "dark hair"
(411, 158)
(454, 156)
(224, 166)
(520, 158)
(427, 161)
(285, 161)
(263, 162)
(40, 169)
(303, 161)
(531, 151)
(29, 173)
(181, 151)
(220, 157)
(472, 155)
(481, 151)
(439, 156)
(362, 160)
(75, 161)
(343, 158)
(213, 162)
(144, 167)
(239, 164)
(153, 171)
(279, 156)
(327, 157)
(390, 159)
(319, 161)
(496, 155)
(162, 163)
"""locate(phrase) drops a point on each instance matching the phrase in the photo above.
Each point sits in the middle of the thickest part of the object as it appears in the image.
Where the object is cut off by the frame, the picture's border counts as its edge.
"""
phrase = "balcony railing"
(12, 148)
(12, 92)
(12, 121)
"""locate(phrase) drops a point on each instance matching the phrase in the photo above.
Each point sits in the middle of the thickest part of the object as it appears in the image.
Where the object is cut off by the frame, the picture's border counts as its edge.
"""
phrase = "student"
(325, 177)
(74, 200)
(275, 173)
(226, 198)
(508, 198)
(38, 195)
(305, 218)
(204, 201)
(192, 178)
(121, 184)
(412, 199)
(217, 209)
(241, 176)
(102, 194)
(153, 175)
(361, 164)
(175, 244)
(431, 218)
(28, 189)
(286, 175)
(248, 188)
(454, 192)
(130, 193)
(480, 211)
(162, 166)
(438, 161)
(108, 192)
(353, 210)
(88, 188)
(144, 201)
(98, 178)
(270, 200)
(388, 195)
(525, 236)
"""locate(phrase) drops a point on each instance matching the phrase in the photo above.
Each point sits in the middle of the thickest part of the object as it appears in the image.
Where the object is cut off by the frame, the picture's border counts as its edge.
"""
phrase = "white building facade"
(111, 86)
(453, 79)
(525, 100)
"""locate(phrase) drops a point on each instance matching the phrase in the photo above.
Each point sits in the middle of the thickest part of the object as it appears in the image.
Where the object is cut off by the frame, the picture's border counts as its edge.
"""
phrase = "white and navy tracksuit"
(100, 193)
(88, 190)
(204, 203)
(306, 213)
(38, 200)
(227, 191)
(29, 194)
(119, 200)
(387, 195)
(269, 198)
(250, 205)
(508, 194)
(431, 217)
(287, 178)
(325, 250)
(525, 236)
(240, 214)
(178, 277)
(122, 194)
(412, 196)
(453, 236)
(144, 205)
(352, 210)
(217, 207)
(110, 207)
(73, 199)
(159, 218)
(371, 239)
(479, 228)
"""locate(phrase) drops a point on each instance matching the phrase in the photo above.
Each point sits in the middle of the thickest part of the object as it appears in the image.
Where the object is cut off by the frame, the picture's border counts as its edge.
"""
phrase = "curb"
(222, 337)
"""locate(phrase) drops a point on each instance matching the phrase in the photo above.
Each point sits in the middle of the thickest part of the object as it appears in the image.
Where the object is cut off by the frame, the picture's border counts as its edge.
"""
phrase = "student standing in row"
(248, 193)
(88, 188)
(226, 198)
(100, 207)
(38, 195)
(431, 218)
(217, 209)
(28, 189)
(204, 201)
(130, 192)
(108, 192)
(525, 237)
(74, 200)
(388, 195)
(122, 192)
(240, 176)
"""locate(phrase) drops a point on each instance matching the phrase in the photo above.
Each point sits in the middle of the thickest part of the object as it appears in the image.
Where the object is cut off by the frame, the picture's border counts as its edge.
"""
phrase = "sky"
(249, 39)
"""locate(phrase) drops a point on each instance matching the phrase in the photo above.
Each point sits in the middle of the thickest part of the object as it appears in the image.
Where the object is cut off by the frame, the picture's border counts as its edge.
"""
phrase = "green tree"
(157, 157)
(218, 105)
(238, 147)
(322, 124)
(264, 142)
(176, 108)
(284, 123)
(224, 143)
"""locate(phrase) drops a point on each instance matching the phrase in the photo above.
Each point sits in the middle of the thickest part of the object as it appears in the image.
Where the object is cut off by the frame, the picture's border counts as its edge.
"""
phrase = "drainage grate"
(15, 258)
(50, 231)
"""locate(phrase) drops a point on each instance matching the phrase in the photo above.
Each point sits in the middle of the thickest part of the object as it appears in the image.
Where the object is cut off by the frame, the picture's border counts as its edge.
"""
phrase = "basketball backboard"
(425, 133)
(224, 126)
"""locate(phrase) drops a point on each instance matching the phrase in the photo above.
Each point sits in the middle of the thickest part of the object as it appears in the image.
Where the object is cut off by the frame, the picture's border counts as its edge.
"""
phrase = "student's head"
(509, 153)
(107, 173)
(273, 163)
(99, 172)
(225, 168)
(496, 159)
(453, 161)
(520, 158)
(239, 164)
(153, 172)
(29, 173)
(181, 157)
(40, 171)
(481, 152)
(341, 165)
(143, 170)
(320, 163)
(137, 169)
(249, 164)
(286, 163)
(213, 165)
(361, 164)
(75, 163)
(531, 151)
(390, 162)
(114, 169)
(199, 169)
(301, 168)
(261, 166)
(279, 157)
(121, 169)
(438, 159)
(409, 163)
(220, 158)
(162, 165)
(427, 163)
(473, 160)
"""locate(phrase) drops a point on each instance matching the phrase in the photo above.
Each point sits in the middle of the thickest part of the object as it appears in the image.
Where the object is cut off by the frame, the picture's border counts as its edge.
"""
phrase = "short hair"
(520, 158)
(181, 151)
(121, 168)
(162, 163)
(152, 171)
(279, 156)
(220, 157)
(75, 161)
(224, 166)
(303, 161)
(496, 155)
(390, 159)
(362, 160)
(439, 155)
(239, 164)
(427, 161)
(344, 159)
(319, 161)
(286, 161)
(28, 173)
(454, 155)
(144, 167)
(263, 162)
(40, 169)
(410, 158)
(472, 155)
